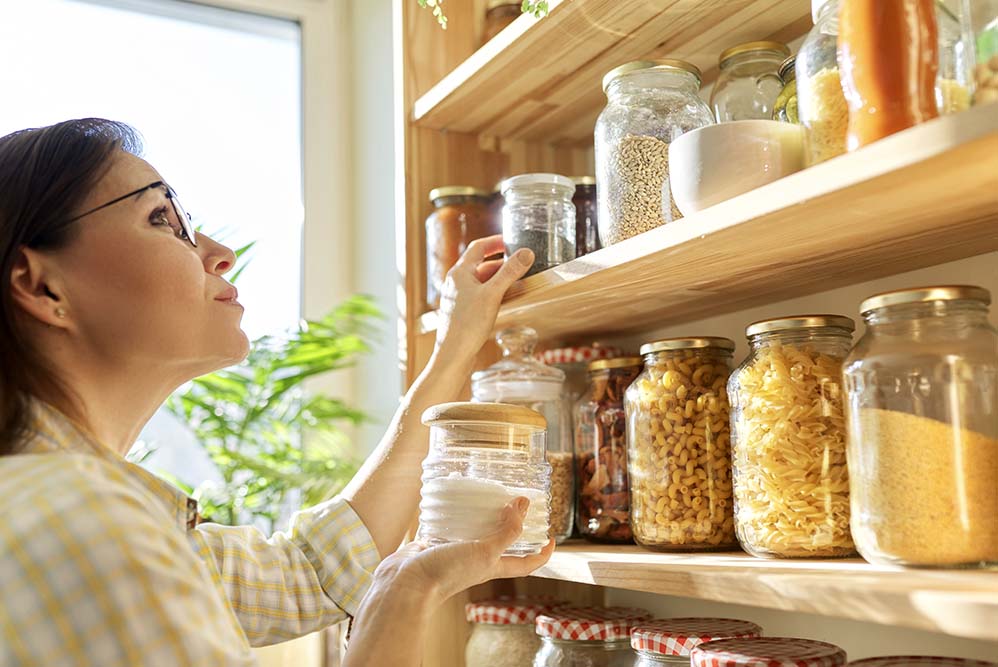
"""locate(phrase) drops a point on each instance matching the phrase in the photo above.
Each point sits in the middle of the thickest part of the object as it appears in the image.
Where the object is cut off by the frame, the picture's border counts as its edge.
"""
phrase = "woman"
(110, 301)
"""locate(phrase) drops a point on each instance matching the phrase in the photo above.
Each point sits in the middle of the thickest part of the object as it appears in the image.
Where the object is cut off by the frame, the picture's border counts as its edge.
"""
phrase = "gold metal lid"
(617, 362)
(787, 67)
(494, 4)
(457, 191)
(665, 64)
(484, 413)
(747, 47)
(584, 180)
(701, 342)
(800, 322)
(925, 295)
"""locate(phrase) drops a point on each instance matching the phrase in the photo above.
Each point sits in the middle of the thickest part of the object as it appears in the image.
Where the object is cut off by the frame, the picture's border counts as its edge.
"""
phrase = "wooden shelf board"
(541, 80)
(961, 603)
(919, 198)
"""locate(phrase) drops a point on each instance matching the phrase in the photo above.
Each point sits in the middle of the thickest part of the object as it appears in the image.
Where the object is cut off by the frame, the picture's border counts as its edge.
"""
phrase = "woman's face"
(138, 292)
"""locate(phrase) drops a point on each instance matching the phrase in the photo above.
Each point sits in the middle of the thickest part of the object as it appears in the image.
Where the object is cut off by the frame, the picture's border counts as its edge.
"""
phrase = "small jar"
(587, 637)
(749, 81)
(788, 436)
(604, 503)
(481, 457)
(922, 391)
(586, 215)
(679, 446)
(785, 109)
(539, 214)
(498, 15)
(460, 215)
(649, 105)
(502, 633)
(754, 651)
(669, 641)
(920, 661)
(980, 27)
(574, 363)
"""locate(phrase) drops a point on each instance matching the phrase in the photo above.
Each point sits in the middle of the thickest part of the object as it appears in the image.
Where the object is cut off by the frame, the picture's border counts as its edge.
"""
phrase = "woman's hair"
(46, 174)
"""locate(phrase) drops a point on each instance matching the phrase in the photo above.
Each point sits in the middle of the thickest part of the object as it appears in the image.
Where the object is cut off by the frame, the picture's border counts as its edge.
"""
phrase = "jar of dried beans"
(789, 439)
(679, 455)
(650, 103)
(603, 510)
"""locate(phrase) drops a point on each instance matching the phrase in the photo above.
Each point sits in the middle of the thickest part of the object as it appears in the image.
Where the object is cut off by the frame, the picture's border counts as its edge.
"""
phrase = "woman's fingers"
(486, 270)
(514, 566)
(479, 249)
(513, 269)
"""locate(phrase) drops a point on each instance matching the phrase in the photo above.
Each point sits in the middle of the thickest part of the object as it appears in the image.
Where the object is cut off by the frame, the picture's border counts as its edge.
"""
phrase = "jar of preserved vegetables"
(460, 215)
(786, 103)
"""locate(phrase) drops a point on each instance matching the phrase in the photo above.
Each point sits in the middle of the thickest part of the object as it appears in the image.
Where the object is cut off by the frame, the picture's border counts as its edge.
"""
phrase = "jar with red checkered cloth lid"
(669, 641)
(503, 631)
(767, 652)
(574, 362)
(587, 636)
(920, 661)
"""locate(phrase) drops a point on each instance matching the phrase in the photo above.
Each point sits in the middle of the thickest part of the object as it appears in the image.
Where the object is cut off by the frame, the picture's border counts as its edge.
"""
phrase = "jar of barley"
(679, 446)
(650, 103)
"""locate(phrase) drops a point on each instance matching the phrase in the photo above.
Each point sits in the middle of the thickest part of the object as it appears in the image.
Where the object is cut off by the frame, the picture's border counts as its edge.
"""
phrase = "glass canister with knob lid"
(670, 641)
(519, 379)
(749, 81)
(587, 637)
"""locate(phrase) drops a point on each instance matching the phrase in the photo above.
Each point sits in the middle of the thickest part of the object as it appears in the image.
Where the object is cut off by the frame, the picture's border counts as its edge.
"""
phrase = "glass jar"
(498, 15)
(586, 230)
(789, 439)
(502, 633)
(539, 214)
(749, 81)
(754, 651)
(587, 637)
(669, 641)
(650, 104)
(574, 363)
(519, 379)
(481, 457)
(954, 84)
(922, 413)
(460, 215)
(604, 503)
(920, 661)
(785, 109)
(679, 455)
(980, 27)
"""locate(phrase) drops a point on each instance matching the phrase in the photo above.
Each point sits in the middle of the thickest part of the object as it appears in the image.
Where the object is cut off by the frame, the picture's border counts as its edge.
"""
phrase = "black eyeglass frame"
(183, 216)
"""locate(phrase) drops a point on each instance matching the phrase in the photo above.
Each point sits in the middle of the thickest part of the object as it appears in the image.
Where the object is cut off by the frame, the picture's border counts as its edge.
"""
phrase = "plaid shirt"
(103, 563)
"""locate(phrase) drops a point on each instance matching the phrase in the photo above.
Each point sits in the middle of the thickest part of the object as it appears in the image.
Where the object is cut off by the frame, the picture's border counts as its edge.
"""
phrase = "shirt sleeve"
(296, 582)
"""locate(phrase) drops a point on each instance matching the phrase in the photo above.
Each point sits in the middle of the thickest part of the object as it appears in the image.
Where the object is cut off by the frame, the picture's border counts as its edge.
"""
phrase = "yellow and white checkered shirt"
(101, 563)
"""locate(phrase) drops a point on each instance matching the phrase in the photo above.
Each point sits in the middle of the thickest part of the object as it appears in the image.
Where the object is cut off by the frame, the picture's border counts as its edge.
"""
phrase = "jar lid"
(926, 295)
(748, 47)
(618, 362)
(527, 180)
(800, 322)
(920, 661)
(768, 651)
(517, 376)
(679, 636)
(701, 342)
(457, 191)
(508, 611)
(584, 180)
(787, 67)
(577, 355)
(585, 624)
(484, 413)
(664, 64)
(494, 4)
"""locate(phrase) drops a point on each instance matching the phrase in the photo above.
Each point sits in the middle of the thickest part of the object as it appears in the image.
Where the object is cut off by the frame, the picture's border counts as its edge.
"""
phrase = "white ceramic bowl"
(715, 163)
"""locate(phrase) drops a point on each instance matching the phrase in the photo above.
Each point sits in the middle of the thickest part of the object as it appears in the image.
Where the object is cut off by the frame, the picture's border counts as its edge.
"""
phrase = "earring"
(60, 313)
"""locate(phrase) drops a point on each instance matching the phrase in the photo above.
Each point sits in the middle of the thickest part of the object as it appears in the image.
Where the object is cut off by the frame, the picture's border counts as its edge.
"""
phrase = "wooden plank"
(958, 603)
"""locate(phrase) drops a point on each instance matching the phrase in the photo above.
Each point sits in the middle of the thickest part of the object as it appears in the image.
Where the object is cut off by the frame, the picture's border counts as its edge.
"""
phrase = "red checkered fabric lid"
(678, 636)
(586, 624)
(508, 611)
(920, 661)
(577, 355)
(767, 652)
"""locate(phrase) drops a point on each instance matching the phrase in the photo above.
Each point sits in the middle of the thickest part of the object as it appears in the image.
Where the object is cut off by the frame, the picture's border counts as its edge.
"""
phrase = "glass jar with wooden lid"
(460, 215)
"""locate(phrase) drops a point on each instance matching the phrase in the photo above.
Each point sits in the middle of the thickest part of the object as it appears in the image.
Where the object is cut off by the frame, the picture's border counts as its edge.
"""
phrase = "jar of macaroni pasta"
(788, 436)
(503, 633)
(587, 637)
(769, 651)
(670, 641)
(922, 412)
(679, 446)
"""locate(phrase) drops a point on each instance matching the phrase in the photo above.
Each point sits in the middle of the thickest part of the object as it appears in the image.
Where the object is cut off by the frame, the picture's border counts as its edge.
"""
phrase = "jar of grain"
(788, 437)
(587, 637)
(481, 457)
(502, 633)
(603, 509)
(922, 413)
(785, 109)
(669, 641)
(679, 456)
(586, 215)
(460, 215)
(538, 213)
(749, 81)
(650, 104)
(770, 651)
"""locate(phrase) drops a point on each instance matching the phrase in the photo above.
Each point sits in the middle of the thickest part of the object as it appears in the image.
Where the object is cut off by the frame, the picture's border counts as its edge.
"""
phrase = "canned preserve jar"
(460, 215)
(502, 632)
(679, 446)
(574, 363)
(922, 413)
(539, 214)
(788, 435)
(482, 456)
(749, 81)
(586, 215)
(587, 637)
(670, 641)
(769, 651)
(920, 661)
(785, 109)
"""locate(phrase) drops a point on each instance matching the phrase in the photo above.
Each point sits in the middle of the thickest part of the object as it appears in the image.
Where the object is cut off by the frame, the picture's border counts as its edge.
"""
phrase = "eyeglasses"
(183, 216)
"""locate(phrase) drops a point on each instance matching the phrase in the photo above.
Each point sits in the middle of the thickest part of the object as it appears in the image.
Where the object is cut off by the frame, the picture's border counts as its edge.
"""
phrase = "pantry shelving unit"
(527, 101)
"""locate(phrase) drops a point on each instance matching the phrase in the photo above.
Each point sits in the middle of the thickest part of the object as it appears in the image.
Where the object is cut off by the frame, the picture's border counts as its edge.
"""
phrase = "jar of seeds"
(539, 214)
(650, 103)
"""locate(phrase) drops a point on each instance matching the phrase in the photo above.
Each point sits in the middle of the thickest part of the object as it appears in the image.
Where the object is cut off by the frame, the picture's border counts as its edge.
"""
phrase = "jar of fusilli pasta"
(679, 458)
(789, 439)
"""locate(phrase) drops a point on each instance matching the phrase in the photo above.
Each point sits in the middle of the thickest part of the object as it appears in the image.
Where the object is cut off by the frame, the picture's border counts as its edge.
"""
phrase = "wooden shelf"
(919, 198)
(958, 603)
(541, 80)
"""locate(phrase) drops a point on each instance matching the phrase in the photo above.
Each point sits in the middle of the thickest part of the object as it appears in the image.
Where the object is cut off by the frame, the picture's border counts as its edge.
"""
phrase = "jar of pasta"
(922, 412)
(587, 636)
(679, 456)
(789, 439)
(670, 641)
(821, 105)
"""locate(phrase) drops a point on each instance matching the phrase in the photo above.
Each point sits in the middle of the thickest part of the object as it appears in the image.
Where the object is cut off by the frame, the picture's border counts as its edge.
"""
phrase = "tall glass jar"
(502, 633)
(679, 446)
(922, 411)
(604, 503)
(789, 439)
(785, 109)
(650, 104)
(587, 637)
(460, 215)
(586, 215)
(481, 457)
(670, 641)
(519, 379)
(749, 81)
(821, 104)
(539, 214)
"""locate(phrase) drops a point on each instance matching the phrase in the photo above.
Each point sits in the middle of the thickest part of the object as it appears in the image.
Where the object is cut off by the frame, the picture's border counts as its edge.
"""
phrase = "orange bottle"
(888, 52)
